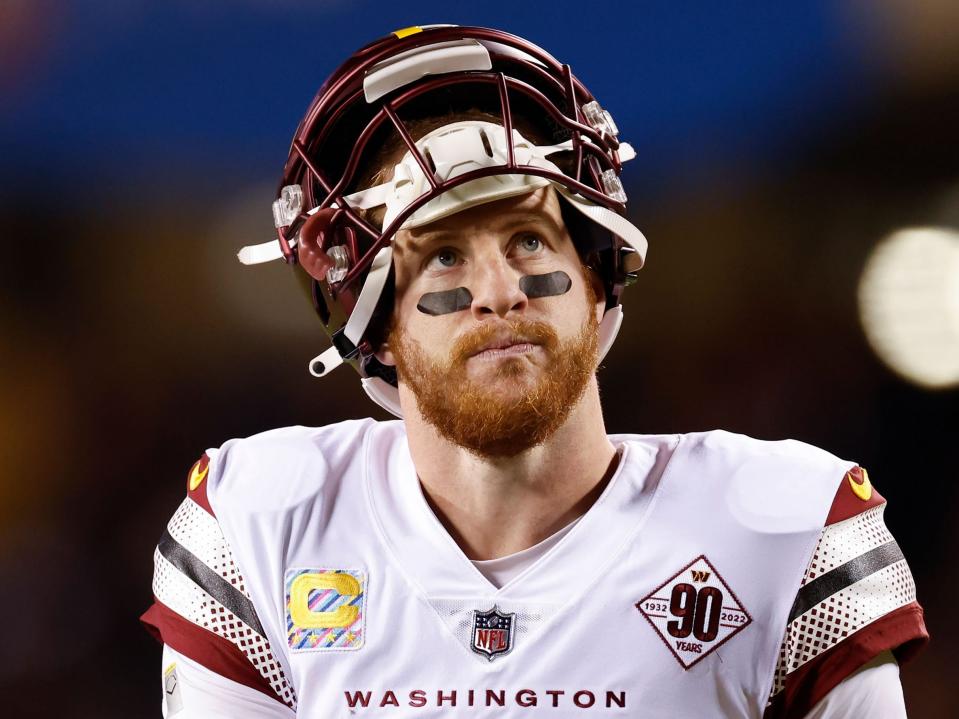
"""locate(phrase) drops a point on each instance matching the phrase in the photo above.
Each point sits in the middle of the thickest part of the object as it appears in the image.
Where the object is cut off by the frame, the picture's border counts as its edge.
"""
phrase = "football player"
(452, 202)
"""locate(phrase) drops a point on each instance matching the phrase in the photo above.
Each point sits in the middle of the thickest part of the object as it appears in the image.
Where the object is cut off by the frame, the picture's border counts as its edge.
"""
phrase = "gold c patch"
(325, 608)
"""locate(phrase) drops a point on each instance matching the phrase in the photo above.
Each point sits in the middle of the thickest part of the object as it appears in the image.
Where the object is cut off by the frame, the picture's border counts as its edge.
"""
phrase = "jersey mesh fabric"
(852, 608)
(198, 532)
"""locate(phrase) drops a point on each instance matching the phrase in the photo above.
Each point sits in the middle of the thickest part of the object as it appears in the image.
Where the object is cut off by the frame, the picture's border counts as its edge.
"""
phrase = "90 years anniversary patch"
(694, 612)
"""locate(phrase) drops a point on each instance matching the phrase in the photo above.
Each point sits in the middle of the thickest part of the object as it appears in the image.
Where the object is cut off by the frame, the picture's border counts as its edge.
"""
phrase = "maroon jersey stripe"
(214, 652)
(901, 630)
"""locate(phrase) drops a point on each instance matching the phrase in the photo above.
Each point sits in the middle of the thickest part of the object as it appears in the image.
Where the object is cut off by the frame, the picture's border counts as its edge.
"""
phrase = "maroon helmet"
(539, 126)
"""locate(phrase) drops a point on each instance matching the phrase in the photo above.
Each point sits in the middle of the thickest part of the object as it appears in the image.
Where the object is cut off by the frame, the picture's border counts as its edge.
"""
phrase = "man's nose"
(496, 289)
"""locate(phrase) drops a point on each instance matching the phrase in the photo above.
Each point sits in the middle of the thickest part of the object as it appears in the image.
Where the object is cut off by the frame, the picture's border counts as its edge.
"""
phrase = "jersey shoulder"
(857, 599)
(282, 468)
(769, 487)
(202, 606)
(733, 447)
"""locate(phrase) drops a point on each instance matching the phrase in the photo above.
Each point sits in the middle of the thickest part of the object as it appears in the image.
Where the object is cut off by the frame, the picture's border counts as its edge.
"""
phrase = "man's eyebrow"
(433, 237)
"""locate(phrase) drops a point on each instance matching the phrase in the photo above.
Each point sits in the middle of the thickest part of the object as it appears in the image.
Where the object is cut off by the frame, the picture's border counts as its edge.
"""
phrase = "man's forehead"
(540, 207)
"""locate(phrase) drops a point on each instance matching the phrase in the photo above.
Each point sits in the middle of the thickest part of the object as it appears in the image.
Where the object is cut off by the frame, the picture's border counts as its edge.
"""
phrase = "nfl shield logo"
(492, 632)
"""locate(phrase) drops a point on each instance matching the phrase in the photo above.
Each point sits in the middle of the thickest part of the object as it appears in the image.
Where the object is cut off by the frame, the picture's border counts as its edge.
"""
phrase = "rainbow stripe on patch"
(325, 609)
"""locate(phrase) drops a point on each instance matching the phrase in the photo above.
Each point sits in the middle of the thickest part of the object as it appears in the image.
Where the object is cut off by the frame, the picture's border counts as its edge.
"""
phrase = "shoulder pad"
(769, 487)
(282, 468)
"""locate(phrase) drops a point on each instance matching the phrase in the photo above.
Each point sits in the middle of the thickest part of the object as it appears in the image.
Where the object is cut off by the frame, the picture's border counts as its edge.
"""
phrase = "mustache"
(538, 333)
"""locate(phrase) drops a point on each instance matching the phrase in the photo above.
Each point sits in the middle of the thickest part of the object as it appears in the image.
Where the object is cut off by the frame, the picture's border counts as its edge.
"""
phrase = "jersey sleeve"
(857, 599)
(191, 691)
(872, 691)
(201, 607)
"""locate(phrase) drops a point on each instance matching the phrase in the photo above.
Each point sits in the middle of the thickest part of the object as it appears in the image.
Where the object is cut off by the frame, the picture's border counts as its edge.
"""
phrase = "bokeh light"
(909, 304)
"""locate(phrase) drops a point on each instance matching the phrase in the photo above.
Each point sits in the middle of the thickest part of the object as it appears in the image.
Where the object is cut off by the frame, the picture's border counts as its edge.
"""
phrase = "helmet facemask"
(457, 165)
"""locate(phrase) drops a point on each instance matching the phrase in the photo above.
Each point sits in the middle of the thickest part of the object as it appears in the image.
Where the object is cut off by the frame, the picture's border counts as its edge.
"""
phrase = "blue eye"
(444, 258)
(529, 243)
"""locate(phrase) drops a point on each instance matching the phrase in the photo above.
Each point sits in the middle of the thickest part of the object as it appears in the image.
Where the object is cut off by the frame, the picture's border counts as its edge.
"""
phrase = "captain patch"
(694, 612)
(325, 609)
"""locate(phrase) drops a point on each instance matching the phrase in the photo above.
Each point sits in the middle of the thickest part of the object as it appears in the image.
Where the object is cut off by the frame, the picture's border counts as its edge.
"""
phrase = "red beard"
(503, 423)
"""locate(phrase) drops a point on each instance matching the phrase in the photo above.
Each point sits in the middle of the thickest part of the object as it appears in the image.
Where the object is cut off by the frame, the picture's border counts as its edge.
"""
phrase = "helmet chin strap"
(388, 397)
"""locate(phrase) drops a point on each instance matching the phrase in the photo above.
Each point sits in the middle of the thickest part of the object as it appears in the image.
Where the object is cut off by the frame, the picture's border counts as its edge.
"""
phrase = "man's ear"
(309, 252)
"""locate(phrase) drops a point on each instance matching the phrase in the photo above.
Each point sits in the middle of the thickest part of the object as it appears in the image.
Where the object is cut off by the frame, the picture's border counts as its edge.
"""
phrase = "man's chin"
(504, 405)
(503, 374)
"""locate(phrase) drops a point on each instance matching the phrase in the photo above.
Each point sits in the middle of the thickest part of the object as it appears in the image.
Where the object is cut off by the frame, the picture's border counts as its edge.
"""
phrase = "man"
(453, 199)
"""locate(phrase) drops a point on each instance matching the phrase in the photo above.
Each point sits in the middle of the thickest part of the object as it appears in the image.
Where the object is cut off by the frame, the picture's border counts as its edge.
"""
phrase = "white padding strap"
(263, 252)
(267, 251)
(608, 329)
(384, 394)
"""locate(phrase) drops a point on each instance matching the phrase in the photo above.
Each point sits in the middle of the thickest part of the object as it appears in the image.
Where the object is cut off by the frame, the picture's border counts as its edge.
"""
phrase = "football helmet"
(539, 126)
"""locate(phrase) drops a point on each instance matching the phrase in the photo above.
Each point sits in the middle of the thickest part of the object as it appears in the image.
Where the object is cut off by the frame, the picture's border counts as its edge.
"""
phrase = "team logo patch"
(859, 483)
(492, 633)
(694, 612)
(325, 609)
(198, 473)
(171, 690)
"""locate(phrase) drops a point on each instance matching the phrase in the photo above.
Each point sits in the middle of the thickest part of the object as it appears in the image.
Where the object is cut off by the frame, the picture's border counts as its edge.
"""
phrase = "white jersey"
(307, 564)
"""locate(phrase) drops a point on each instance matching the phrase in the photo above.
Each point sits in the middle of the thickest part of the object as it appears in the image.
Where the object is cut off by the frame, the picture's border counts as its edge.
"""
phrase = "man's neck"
(496, 507)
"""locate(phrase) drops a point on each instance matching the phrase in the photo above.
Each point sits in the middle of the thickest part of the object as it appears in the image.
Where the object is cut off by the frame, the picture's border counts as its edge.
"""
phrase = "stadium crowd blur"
(779, 144)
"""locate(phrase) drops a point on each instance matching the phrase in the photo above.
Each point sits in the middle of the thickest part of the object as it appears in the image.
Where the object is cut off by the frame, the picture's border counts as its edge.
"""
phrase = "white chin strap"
(388, 397)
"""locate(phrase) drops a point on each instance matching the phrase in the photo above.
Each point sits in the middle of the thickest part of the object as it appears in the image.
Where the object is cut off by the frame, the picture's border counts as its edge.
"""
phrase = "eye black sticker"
(548, 285)
(445, 302)
(460, 298)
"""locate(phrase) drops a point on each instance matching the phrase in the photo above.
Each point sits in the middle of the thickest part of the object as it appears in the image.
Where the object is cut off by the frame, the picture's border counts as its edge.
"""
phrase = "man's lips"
(505, 347)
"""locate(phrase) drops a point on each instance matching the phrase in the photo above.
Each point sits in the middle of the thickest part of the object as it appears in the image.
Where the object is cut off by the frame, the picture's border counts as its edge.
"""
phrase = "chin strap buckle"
(342, 351)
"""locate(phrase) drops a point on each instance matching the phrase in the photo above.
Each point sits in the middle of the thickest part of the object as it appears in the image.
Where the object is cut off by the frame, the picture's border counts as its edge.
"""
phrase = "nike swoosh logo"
(863, 489)
(196, 476)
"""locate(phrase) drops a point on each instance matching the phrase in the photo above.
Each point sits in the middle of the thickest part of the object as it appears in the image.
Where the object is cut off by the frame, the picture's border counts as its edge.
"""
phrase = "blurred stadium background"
(780, 144)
